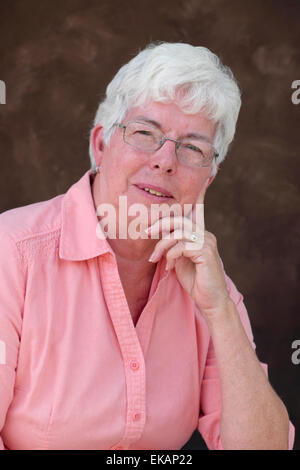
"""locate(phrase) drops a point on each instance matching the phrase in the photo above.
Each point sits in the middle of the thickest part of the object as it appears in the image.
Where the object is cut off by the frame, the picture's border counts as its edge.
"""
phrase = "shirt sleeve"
(210, 399)
(11, 309)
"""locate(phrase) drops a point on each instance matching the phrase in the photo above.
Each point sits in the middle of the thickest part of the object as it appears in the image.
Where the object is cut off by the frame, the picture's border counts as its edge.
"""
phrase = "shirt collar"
(78, 240)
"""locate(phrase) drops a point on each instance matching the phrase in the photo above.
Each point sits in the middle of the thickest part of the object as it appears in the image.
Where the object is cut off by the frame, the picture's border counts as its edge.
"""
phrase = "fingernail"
(154, 256)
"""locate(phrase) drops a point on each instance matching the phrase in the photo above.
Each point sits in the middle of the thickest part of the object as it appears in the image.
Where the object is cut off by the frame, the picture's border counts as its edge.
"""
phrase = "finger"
(176, 238)
(167, 224)
(161, 247)
(172, 255)
(165, 244)
(179, 250)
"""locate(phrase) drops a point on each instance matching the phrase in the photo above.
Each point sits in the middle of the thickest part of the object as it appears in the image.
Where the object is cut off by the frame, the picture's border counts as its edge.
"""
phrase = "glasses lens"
(142, 136)
(147, 138)
(196, 153)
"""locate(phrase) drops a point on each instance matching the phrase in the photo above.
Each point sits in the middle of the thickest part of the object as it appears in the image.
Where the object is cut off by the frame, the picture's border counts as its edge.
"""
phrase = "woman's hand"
(197, 263)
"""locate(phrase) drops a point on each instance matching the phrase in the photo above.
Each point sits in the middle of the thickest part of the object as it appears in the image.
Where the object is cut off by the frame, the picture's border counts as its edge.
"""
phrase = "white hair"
(162, 70)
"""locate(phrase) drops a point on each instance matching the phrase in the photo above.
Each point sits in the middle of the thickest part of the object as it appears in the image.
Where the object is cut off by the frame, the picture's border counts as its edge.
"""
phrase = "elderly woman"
(133, 342)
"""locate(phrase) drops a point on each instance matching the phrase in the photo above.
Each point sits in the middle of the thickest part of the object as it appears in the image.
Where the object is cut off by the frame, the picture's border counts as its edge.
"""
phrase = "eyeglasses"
(190, 151)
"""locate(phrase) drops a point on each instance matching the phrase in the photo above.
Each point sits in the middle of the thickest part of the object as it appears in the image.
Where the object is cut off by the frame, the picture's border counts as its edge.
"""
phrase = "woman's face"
(124, 168)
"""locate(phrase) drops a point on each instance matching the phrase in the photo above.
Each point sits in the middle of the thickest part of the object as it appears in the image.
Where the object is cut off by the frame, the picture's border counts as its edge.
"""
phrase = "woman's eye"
(192, 147)
(144, 132)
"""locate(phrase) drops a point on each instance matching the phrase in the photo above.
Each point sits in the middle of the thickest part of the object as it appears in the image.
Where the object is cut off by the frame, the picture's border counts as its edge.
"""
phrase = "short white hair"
(161, 70)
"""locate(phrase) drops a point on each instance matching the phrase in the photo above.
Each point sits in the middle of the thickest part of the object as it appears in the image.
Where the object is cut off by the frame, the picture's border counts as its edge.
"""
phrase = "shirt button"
(136, 416)
(134, 365)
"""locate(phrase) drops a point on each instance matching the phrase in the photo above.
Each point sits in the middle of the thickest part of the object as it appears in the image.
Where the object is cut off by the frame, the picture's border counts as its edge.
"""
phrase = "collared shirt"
(75, 373)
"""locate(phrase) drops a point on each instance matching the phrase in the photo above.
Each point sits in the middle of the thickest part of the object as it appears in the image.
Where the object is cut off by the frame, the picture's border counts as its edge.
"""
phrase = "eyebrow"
(190, 135)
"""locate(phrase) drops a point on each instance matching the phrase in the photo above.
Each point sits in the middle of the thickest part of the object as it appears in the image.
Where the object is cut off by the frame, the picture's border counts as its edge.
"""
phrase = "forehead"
(170, 118)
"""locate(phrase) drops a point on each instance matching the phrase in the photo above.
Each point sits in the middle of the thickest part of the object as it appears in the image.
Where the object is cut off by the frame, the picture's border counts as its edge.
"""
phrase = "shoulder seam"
(39, 234)
(40, 243)
(18, 256)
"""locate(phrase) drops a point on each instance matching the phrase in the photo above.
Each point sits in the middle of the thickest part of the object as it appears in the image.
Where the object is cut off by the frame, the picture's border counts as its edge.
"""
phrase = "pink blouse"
(75, 373)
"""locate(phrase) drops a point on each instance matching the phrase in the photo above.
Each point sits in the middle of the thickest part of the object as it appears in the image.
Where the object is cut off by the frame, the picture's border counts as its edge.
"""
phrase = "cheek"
(125, 161)
(118, 172)
(192, 185)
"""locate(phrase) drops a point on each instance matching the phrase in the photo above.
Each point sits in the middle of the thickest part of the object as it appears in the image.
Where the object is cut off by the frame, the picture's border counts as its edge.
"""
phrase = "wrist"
(220, 315)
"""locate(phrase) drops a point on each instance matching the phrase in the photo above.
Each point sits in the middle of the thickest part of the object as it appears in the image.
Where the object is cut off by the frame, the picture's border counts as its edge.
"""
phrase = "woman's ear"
(97, 143)
(211, 178)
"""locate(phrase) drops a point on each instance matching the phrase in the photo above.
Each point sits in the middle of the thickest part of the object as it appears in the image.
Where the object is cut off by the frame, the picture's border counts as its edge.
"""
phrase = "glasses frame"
(162, 141)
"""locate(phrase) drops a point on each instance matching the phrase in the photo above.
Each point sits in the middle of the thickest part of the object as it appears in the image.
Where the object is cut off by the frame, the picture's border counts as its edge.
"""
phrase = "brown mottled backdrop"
(57, 58)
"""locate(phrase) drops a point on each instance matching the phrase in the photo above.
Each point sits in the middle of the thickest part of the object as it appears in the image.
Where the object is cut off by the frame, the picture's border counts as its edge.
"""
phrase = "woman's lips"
(153, 197)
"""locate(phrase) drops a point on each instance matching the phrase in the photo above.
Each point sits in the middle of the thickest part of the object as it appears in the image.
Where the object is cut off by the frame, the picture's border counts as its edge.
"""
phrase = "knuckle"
(211, 236)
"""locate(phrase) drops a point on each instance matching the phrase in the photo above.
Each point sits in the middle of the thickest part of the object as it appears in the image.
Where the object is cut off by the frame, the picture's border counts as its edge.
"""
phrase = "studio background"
(57, 58)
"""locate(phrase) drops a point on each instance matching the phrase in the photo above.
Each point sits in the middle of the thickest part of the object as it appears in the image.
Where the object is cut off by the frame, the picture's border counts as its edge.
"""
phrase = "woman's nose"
(165, 158)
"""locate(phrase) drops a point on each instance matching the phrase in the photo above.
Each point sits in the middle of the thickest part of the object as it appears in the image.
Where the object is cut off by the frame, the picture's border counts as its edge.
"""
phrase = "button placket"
(136, 416)
(134, 365)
